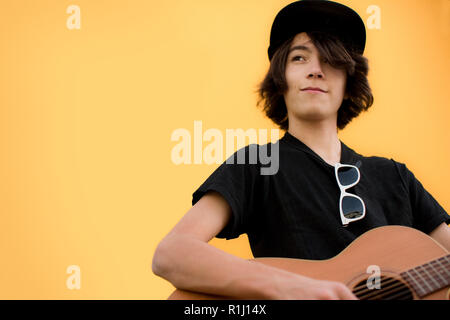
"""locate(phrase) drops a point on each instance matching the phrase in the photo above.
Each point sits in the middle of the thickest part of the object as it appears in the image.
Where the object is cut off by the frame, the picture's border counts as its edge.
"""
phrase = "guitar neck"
(429, 277)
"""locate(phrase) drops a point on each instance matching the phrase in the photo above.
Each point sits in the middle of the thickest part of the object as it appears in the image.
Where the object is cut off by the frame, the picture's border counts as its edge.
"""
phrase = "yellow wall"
(86, 117)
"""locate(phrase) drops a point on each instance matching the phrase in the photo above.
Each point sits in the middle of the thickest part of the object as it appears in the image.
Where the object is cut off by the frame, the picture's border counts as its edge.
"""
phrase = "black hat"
(318, 15)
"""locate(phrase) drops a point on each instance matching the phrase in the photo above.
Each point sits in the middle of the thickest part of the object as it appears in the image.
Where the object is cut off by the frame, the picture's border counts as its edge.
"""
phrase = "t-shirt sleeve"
(237, 182)
(427, 212)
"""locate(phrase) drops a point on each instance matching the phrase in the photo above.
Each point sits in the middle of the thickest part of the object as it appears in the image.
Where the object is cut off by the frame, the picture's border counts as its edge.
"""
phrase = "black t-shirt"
(295, 212)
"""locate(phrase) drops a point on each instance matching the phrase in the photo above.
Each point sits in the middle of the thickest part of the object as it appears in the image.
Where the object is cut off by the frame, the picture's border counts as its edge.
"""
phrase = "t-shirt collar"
(348, 156)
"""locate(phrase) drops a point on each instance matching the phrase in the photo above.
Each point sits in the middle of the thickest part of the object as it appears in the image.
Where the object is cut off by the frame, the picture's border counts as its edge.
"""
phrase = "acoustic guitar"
(385, 263)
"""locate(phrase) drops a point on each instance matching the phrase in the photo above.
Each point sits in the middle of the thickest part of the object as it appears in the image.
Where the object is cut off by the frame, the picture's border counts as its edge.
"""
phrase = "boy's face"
(304, 68)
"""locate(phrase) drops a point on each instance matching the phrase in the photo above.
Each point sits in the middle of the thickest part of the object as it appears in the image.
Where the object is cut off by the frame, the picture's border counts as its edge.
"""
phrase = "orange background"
(86, 118)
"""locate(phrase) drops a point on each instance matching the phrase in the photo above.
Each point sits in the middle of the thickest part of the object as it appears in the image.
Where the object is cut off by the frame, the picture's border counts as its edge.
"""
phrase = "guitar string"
(404, 293)
(389, 290)
(369, 292)
(434, 273)
(358, 289)
(429, 276)
(388, 294)
(442, 265)
(391, 282)
(363, 292)
(384, 290)
(377, 293)
(436, 270)
(364, 286)
(423, 279)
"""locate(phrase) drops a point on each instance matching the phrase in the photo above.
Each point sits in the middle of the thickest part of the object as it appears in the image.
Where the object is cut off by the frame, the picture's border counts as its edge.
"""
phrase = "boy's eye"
(297, 58)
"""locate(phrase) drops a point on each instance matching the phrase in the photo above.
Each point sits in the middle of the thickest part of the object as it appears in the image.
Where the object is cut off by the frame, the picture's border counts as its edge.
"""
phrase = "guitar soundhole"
(389, 289)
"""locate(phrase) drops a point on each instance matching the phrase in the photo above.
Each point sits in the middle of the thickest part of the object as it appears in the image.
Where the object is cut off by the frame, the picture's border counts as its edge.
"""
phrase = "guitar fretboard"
(429, 277)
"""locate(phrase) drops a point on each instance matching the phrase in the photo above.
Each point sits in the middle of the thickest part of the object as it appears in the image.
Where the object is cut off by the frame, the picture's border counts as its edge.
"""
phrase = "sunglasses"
(351, 207)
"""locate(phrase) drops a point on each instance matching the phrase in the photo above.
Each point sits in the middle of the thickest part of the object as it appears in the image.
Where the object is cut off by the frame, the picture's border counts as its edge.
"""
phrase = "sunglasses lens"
(347, 176)
(352, 207)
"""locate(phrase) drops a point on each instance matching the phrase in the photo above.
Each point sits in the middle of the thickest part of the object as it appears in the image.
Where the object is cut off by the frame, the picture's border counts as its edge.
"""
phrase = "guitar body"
(394, 249)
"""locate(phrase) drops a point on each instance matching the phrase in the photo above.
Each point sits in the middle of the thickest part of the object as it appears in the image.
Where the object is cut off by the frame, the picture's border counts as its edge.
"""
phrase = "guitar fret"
(431, 273)
(439, 271)
(443, 267)
(422, 279)
(430, 277)
(444, 261)
(427, 278)
(413, 282)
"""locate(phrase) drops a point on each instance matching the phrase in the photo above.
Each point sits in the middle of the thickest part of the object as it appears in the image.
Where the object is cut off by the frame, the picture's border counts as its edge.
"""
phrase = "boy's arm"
(185, 259)
(442, 235)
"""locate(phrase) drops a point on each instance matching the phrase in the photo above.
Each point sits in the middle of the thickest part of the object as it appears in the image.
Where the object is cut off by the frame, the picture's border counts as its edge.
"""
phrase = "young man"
(316, 85)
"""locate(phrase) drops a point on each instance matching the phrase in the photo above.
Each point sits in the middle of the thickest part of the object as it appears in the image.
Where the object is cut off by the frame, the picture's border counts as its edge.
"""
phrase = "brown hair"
(271, 90)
